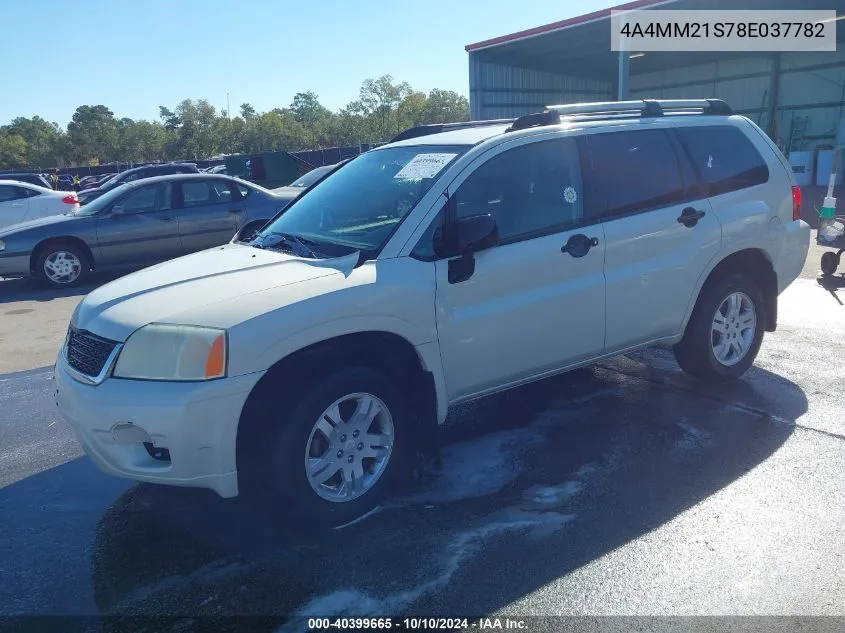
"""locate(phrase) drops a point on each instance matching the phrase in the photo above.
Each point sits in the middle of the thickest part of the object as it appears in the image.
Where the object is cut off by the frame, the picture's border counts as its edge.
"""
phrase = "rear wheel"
(725, 332)
(62, 265)
(333, 453)
(830, 262)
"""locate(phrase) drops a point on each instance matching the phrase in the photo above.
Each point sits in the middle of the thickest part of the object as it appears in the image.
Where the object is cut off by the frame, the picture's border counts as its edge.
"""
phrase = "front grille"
(87, 353)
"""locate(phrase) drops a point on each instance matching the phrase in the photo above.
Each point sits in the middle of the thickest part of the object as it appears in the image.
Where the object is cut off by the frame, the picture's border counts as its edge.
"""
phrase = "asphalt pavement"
(623, 489)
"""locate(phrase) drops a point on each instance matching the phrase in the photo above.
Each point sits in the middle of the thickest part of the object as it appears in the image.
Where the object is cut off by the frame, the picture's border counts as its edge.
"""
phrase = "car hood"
(34, 224)
(199, 289)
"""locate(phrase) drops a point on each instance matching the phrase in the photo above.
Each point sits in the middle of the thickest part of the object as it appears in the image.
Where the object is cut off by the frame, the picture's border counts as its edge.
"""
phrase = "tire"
(830, 262)
(78, 270)
(273, 470)
(696, 353)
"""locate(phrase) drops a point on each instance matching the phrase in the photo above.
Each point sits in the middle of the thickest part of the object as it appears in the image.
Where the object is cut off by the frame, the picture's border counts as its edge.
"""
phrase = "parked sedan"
(137, 173)
(92, 182)
(21, 201)
(135, 225)
(33, 179)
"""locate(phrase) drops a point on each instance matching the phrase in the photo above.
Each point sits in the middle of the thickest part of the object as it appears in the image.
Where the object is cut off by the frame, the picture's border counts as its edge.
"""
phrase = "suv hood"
(199, 289)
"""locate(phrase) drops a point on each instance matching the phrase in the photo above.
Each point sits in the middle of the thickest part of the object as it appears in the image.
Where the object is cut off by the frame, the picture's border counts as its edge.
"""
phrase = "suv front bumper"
(180, 434)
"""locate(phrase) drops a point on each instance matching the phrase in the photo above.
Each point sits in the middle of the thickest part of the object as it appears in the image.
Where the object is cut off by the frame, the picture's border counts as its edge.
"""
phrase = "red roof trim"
(556, 26)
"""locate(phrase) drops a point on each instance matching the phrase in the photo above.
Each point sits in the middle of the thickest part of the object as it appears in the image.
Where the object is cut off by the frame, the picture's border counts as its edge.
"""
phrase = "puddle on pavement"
(563, 476)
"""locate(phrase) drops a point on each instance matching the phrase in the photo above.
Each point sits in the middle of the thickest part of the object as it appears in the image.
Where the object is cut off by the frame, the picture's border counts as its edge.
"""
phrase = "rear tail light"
(72, 199)
(796, 202)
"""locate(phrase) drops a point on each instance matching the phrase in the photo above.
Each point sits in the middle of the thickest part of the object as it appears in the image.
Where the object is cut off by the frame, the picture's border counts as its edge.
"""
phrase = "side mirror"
(476, 233)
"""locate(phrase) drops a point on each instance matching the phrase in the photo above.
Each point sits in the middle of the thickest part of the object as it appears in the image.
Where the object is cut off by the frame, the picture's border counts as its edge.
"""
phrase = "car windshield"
(311, 177)
(112, 182)
(98, 204)
(358, 207)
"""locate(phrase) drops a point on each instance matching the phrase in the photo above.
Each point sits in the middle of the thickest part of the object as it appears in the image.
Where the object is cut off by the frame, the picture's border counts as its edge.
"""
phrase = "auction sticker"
(424, 166)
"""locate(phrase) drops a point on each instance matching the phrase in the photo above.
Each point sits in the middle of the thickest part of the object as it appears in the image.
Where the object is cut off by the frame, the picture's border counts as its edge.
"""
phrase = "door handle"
(167, 219)
(579, 245)
(690, 216)
(17, 205)
(236, 210)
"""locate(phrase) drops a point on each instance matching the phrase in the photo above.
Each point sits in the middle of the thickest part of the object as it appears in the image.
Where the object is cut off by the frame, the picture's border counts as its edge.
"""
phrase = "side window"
(197, 193)
(633, 171)
(426, 247)
(147, 199)
(9, 193)
(723, 157)
(528, 189)
(244, 191)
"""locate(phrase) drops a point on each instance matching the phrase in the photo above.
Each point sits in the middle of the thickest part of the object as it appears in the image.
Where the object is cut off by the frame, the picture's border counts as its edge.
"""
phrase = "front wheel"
(62, 266)
(334, 453)
(725, 331)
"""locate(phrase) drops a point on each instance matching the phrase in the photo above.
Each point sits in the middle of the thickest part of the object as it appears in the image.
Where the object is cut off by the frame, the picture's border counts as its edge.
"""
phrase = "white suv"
(311, 362)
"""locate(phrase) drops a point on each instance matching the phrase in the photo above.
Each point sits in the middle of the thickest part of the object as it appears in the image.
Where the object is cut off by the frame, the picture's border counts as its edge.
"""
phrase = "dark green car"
(136, 225)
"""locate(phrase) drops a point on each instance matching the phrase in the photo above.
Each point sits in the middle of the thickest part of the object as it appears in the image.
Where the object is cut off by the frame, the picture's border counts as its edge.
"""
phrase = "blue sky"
(134, 55)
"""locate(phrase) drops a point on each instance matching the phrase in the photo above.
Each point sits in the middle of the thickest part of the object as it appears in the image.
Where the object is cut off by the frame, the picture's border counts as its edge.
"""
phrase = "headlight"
(2, 245)
(173, 352)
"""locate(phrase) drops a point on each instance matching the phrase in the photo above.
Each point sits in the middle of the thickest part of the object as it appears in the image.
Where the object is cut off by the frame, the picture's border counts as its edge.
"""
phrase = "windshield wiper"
(296, 244)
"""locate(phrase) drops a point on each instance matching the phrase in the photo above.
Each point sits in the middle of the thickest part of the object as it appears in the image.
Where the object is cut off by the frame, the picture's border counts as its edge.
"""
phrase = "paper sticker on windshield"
(423, 166)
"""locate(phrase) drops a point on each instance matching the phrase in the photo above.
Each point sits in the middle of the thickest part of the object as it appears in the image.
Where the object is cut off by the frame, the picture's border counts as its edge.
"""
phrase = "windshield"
(358, 207)
(98, 204)
(311, 177)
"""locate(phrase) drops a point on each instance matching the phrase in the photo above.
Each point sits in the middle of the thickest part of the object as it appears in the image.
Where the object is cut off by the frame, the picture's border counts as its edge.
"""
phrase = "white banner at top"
(741, 30)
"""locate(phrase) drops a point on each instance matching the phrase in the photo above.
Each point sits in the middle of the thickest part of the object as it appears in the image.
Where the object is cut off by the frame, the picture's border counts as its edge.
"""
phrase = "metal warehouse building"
(797, 97)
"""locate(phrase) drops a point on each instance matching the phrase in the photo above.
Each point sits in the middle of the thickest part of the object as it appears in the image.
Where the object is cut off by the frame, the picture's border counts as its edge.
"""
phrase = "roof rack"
(436, 128)
(641, 107)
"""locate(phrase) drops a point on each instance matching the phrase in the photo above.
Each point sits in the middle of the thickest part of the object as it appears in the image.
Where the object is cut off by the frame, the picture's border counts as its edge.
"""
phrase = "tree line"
(194, 129)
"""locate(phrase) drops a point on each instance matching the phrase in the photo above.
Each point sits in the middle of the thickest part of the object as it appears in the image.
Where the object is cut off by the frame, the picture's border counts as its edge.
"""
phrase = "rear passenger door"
(733, 174)
(660, 232)
(209, 213)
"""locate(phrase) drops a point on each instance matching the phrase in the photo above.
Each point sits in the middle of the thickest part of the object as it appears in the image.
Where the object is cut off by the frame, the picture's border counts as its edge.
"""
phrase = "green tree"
(93, 134)
(446, 106)
(247, 111)
(40, 137)
(306, 109)
(13, 150)
(378, 102)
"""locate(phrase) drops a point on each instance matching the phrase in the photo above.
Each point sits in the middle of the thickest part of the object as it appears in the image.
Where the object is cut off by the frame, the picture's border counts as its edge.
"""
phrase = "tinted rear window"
(723, 157)
(633, 171)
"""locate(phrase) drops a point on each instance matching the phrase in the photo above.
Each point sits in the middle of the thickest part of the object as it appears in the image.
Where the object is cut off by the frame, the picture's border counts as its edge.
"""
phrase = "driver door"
(145, 230)
(527, 308)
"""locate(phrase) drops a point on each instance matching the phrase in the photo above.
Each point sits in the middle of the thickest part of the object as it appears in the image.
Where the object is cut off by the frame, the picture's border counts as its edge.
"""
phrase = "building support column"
(774, 96)
(622, 76)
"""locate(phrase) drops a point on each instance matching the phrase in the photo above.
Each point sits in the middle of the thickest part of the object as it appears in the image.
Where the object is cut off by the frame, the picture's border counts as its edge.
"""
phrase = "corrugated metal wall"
(810, 85)
(741, 82)
(497, 91)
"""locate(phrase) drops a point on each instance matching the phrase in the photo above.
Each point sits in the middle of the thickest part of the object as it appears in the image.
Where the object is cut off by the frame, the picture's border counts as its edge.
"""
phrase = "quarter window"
(633, 171)
(723, 157)
(529, 189)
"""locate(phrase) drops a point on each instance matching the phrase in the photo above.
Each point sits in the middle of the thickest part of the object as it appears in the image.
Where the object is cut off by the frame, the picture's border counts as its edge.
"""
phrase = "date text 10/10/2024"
(415, 624)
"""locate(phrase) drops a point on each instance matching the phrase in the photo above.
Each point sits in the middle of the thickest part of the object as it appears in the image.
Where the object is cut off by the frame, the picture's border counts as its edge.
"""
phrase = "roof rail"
(437, 128)
(641, 107)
